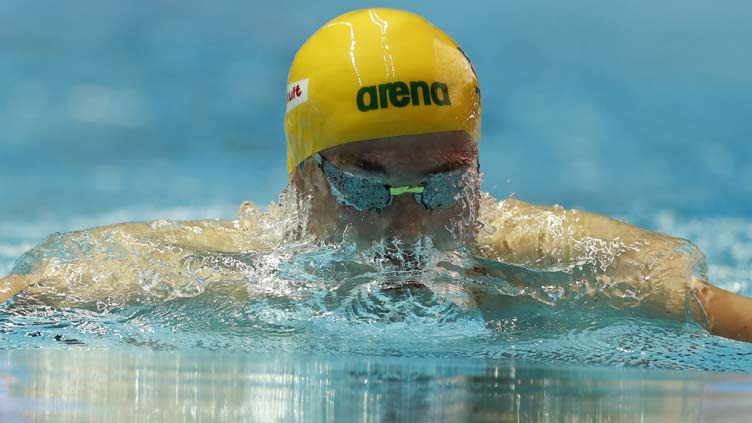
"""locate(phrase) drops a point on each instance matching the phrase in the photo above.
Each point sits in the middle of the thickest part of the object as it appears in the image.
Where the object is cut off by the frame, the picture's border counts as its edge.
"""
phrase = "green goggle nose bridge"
(395, 191)
(363, 193)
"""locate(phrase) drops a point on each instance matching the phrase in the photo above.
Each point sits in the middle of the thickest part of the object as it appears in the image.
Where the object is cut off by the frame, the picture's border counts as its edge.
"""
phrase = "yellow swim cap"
(377, 73)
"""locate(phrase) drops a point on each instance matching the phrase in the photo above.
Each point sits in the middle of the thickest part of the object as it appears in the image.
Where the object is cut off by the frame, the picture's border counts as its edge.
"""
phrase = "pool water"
(168, 386)
(331, 333)
(133, 113)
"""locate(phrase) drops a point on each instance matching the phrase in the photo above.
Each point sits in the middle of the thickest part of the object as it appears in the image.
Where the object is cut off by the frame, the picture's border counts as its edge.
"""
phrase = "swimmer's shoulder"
(213, 234)
(499, 221)
(253, 229)
(494, 213)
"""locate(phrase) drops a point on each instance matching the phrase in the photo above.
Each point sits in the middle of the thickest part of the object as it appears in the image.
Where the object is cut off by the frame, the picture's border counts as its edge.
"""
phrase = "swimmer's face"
(404, 161)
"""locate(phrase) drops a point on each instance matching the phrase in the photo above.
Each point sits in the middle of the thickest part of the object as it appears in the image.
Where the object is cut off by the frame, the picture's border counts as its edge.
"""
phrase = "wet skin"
(659, 268)
(398, 161)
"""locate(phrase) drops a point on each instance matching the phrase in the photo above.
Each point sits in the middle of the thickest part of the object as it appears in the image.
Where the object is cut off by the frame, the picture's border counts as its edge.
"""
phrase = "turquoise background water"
(118, 112)
(618, 108)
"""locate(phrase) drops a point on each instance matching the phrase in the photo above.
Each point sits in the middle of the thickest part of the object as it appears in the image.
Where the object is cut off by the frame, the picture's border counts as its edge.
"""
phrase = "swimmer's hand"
(11, 286)
(728, 314)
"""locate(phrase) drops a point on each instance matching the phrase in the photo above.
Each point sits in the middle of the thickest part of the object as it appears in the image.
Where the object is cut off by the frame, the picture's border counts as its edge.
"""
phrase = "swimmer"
(382, 123)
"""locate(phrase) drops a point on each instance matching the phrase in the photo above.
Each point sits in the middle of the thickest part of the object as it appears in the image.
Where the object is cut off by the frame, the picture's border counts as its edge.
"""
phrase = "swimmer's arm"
(728, 314)
(209, 234)
(668, 271)
(107, 259)
(12, 285)
(67, 264)
(546, 237)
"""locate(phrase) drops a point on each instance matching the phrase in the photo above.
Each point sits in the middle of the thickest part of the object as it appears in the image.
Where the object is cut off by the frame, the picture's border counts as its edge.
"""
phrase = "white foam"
(726, 241)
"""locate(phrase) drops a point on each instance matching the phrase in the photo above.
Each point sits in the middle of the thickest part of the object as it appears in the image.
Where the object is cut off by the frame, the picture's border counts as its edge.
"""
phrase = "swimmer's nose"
(406, 218)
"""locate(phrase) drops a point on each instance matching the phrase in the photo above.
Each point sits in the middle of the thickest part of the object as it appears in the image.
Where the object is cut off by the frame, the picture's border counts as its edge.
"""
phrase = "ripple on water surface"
(336, 299)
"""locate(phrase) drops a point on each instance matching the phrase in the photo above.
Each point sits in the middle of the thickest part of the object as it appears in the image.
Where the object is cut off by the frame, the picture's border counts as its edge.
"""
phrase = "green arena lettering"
(402, 94)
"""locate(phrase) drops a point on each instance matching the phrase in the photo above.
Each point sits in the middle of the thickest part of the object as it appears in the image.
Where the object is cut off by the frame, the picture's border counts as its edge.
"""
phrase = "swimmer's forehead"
(417, 154)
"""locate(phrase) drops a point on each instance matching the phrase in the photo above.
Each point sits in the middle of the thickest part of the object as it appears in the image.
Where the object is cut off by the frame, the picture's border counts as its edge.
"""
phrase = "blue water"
(115, 112)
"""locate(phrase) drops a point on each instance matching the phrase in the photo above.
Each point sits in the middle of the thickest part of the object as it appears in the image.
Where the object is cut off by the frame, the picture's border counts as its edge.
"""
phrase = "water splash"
(167, 285)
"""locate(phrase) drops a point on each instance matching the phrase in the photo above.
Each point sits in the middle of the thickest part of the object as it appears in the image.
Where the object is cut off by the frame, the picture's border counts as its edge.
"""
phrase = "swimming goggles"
(438, 190)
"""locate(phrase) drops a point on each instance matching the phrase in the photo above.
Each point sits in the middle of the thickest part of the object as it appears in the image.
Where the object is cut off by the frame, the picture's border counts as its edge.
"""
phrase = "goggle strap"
(318, 159)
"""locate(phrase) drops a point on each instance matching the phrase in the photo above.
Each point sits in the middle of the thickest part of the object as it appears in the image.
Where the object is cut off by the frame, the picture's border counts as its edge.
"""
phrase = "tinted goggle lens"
(442, 189)
(363, 193)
